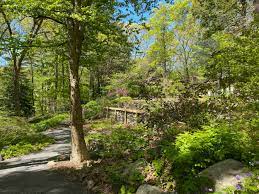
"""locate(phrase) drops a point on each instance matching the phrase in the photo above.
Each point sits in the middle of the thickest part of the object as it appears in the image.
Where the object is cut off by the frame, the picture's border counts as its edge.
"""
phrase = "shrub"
(162, 114)
(51, 122)
(212, 144)
(120, 142)
(122, 100)
(193, 152)
(92, 110)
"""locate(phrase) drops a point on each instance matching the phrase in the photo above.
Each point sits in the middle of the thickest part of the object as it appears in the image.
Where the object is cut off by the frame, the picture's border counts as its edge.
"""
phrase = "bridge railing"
(125, 115)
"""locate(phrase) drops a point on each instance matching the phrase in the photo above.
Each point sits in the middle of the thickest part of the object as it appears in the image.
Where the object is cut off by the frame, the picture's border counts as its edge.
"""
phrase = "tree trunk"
(16, 92)
(75, 39)
(56, 87)
(79, 152)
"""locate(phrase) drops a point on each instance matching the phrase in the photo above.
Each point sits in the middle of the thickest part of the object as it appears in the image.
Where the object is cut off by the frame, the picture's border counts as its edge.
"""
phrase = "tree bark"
(56, 87)
(16, 92)
(75, 39)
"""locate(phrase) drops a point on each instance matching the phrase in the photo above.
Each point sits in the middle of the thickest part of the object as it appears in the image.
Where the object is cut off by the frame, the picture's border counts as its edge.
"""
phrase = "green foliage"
(126, 179)
(92, 110)
(23, 148)
(17, 138)
(249, 186)
(13, 130)
(104, 124)
(196, 151)
(158, 165)
(214, 143)
(251, 183)
(199, 185)
(125, 190)
(25, 88)
(122, 100)
(50, 122)
(190, 110)
(128, 142)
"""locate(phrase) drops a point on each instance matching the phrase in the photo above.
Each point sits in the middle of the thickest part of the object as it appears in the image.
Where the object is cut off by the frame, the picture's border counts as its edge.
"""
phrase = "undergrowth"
(18, 138)
(50, 122)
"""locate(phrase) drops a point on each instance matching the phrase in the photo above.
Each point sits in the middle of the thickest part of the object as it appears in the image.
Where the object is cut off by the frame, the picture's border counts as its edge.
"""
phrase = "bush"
(92, 110)
(212, 144)
(162, 114)
(51, 122)
(193, 152)
(120, 142)
(122, 100)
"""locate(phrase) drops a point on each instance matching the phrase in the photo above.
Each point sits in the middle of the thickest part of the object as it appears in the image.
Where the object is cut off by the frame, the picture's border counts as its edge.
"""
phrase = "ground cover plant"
(18, 138)
(51, 122)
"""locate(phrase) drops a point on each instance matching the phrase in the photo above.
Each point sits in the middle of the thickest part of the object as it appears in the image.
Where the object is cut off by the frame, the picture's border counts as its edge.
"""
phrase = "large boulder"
(227, 173)
(148, 189)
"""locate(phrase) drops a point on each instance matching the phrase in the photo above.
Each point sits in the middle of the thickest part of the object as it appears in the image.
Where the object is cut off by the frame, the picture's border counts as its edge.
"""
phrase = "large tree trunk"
(75, 39)
(79, 152)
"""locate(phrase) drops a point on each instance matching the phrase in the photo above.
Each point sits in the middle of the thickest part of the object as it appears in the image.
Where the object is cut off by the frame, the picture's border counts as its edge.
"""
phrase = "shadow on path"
(30, 173)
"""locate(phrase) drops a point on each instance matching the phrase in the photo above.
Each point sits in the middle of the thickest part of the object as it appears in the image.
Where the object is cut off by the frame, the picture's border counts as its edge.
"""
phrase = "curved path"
(30, 174)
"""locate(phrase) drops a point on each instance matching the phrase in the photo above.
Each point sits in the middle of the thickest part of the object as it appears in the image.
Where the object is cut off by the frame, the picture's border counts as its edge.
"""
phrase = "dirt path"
(30, 174)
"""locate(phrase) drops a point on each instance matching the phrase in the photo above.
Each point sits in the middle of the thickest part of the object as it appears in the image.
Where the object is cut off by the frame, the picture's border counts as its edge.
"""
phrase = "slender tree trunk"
(16, 92)
(75, 39)
(32, 83)
(91, 85)
(56, 87)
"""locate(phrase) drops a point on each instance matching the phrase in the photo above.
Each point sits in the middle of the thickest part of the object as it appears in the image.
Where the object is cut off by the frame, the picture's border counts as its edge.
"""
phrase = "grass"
(17, 137)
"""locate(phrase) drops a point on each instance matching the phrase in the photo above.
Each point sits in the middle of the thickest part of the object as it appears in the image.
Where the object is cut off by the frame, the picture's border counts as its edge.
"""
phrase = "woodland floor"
(31, 174)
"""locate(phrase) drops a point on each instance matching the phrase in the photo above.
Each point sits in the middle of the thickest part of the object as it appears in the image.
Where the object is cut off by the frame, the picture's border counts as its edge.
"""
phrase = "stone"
(1, 158)
(148, 189)
(227, 173)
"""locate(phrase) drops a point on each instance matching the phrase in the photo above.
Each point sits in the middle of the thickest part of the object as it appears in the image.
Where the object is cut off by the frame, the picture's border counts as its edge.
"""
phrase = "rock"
(225, 174)
(148, 189)
(1, 158)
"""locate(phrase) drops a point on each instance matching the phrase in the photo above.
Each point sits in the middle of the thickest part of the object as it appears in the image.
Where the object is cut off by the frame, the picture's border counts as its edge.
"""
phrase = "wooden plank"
(127, 110)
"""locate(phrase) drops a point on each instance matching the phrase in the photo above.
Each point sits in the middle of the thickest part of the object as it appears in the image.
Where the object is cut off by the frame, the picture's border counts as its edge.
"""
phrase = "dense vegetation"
(192, 66)
(18, 138)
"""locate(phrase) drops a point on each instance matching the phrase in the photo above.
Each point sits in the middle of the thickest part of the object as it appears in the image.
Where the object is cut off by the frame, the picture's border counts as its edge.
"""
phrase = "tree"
(76, 16)
(16, 45)
(160, 33)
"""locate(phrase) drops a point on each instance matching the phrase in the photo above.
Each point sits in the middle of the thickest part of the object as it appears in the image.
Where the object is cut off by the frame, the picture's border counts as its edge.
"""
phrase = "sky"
(2, 61)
